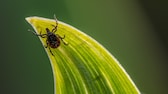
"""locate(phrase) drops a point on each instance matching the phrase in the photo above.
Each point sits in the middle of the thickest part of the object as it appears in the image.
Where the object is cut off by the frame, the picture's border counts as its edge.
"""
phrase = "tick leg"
(51, 51)
(48, 47)
(62, 39)
(41, 35)
(55, 27)
(46, 43)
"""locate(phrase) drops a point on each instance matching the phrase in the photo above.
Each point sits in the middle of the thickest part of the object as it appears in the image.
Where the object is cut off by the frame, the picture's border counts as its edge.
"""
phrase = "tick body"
(52, 39)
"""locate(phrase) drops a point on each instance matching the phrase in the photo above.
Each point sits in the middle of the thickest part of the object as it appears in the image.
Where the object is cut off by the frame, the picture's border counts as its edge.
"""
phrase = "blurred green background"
(134, 31)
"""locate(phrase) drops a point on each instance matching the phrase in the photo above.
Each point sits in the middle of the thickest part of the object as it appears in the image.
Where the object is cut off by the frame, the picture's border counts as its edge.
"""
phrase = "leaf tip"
(28, 19)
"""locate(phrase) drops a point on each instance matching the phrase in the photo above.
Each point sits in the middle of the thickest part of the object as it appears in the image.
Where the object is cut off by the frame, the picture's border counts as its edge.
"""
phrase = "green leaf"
(83, 66)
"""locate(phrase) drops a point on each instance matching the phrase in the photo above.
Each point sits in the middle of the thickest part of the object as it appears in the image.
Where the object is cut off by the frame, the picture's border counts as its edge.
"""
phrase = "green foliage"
(83, 66)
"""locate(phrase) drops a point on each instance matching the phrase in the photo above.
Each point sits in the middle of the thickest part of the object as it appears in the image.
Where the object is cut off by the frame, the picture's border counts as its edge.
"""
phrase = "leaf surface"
(83, 66)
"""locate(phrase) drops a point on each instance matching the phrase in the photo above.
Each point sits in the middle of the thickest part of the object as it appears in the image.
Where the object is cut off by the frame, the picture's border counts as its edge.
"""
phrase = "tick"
(52, 39)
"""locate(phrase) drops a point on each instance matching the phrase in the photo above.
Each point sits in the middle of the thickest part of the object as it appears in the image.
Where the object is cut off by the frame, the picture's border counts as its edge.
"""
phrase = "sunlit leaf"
(83, 66)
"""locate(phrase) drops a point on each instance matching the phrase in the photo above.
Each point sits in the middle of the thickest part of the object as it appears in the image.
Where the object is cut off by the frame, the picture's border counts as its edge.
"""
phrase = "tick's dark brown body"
(52, 39)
